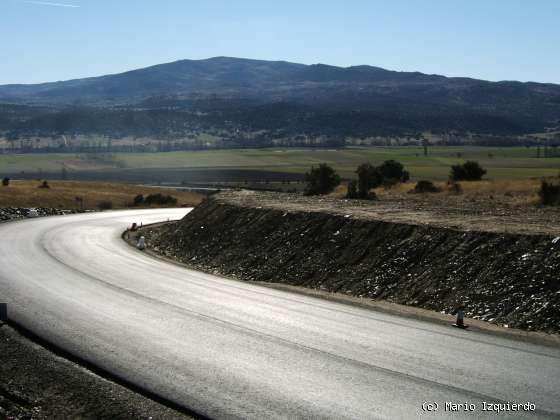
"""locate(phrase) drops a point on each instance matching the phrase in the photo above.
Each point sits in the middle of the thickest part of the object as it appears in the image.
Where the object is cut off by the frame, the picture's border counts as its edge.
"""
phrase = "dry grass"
(516, 193)
(513, 192)
(62, 194)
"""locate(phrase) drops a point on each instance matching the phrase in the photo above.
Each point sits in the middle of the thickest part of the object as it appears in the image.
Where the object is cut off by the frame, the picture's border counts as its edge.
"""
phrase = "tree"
(368, 177)
(5, 181)
(321, 180)
(352, 190)
(468, 171)
(392, 170)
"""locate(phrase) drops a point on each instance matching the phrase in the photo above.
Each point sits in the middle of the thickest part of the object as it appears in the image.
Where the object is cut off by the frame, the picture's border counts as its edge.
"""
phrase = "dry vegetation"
(62, 194)
(508, 193)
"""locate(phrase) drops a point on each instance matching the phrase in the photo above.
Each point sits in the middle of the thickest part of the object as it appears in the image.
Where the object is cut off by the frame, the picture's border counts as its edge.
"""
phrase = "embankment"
(505, 278)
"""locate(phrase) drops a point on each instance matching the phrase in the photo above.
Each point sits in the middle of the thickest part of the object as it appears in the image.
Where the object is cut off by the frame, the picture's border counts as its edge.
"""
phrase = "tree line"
(323, 179)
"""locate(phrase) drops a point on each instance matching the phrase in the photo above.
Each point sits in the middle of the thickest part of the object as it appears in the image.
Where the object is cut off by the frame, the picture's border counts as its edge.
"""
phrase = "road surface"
(233, 350)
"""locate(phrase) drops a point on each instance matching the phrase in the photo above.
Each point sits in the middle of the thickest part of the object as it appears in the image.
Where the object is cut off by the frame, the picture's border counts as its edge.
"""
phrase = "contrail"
(48, 3)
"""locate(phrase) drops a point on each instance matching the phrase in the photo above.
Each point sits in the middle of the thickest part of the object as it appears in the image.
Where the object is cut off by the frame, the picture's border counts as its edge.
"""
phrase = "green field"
(501, 163)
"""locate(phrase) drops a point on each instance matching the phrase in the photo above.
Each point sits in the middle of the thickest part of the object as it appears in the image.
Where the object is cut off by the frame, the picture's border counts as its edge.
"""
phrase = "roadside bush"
(468, 171)
(5, 181)
(105, 205)
(161, 199)
(368, 177)
(138, 200)
(388, 174)
(80, 201)
(393, 172)
(454, 187)
(352, 190)
(44, 184)
(549, 193)
(389, 183)
(321, 180)
(425, 186)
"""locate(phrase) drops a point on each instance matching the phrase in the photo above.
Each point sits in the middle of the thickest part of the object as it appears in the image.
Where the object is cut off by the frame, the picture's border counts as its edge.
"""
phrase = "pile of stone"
(14, 213)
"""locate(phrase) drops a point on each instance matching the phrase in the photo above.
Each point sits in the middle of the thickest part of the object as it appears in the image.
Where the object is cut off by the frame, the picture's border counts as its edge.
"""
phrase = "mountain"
(215, 75)
(260, 95)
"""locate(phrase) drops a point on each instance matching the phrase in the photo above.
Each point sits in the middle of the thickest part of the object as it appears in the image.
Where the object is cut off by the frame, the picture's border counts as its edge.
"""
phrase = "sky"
(488, 39)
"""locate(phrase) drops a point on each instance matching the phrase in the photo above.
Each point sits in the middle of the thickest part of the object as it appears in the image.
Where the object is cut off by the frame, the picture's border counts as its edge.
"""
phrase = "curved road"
(233, 350)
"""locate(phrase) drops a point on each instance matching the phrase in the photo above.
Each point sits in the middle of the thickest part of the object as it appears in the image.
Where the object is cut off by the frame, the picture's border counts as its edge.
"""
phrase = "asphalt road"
(233, 350)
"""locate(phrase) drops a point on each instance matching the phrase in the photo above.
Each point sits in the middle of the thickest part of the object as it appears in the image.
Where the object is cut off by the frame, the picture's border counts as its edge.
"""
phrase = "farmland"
(63, 194)
(502, 163)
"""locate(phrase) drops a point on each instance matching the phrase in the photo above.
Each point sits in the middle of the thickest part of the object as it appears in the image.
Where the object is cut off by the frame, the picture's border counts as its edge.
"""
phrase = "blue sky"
(491, 39)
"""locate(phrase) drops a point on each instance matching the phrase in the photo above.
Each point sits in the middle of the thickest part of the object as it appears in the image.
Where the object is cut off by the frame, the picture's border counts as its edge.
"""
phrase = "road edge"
(102, 373)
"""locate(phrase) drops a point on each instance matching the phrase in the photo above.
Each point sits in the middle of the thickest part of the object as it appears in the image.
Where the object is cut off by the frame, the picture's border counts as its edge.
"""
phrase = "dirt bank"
(505, 278)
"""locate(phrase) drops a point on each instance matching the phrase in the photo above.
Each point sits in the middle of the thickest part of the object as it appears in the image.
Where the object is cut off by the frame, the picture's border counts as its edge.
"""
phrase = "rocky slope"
(505, 278)
(14, 213)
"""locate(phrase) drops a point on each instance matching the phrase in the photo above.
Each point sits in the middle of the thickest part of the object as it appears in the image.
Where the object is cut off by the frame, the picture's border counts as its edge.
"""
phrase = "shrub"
(468, 171)
(425, 186)
(352, 190)
(138, 200)
(454, 187)
(5, 181)
(79, 200)
(368, 177)
(321, 180)
(44, 184)
(393, 172)
(161, 199)
(389, 183)
(105, 205)
(388, 174)
(549, 193)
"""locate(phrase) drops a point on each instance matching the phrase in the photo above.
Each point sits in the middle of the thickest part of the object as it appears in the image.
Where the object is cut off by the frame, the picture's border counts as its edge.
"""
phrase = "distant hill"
(317, 99)
(214, 75)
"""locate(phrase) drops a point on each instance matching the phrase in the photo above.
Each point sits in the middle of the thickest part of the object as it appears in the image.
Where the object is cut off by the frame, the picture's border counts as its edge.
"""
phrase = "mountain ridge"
(280, 98)
(219, 58)
(213, 74)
